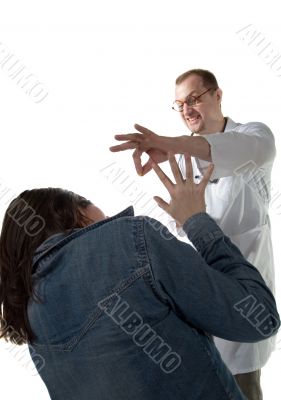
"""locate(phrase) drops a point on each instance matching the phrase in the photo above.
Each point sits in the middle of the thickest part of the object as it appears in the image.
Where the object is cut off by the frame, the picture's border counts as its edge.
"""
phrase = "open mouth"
(193, 119)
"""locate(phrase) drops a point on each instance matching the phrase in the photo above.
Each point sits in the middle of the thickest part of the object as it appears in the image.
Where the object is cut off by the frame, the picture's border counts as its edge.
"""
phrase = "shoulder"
(254, 127)
(155, 230)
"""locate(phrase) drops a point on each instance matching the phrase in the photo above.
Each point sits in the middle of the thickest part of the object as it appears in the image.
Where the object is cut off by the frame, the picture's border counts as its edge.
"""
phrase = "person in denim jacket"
(118, 308)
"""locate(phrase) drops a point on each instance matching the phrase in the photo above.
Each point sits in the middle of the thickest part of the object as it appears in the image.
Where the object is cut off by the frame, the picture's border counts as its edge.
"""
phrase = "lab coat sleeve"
(247, 147)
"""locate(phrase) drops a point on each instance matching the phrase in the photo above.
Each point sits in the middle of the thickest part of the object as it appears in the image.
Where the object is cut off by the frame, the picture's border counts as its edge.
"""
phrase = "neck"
(215, 126)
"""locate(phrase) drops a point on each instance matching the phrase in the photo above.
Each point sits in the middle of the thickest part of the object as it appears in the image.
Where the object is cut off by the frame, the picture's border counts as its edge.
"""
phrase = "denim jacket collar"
(55, 239)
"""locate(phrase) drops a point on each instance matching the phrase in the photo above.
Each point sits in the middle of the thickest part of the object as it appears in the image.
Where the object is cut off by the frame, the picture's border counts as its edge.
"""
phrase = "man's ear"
(219, 95)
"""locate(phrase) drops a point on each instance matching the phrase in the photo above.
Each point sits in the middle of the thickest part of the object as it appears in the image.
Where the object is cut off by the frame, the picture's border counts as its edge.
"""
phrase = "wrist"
(175, 145)
(201, 229)
(182, 221)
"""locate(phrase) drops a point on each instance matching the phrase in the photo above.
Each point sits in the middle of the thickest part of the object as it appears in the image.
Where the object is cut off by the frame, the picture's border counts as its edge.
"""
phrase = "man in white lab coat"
(237, 196)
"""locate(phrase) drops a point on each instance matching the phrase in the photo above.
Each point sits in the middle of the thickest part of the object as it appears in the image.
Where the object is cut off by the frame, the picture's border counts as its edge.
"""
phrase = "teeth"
(193, 119)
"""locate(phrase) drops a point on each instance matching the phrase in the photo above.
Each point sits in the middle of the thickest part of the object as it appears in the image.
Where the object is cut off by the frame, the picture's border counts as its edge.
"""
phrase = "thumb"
(161, 203)
(147, 167)
(143, 129)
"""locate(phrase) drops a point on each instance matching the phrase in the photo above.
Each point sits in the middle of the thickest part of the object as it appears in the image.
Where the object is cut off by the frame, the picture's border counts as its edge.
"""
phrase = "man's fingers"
(207, 175)
(142, 129)
(161, 203)
(129, 136)
(188, 167)
(163, 177)
(175, 168)
(137, 160)
(147, 166)
(124, 146)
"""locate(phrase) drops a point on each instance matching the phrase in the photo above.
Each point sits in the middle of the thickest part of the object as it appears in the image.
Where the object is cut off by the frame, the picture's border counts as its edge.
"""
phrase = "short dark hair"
(209, 79)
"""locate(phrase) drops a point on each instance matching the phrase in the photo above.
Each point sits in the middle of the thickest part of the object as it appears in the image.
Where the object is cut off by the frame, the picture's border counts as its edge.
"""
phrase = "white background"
(107, 65)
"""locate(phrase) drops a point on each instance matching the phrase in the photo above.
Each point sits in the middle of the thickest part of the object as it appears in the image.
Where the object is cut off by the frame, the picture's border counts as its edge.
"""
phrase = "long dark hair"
(30, 219)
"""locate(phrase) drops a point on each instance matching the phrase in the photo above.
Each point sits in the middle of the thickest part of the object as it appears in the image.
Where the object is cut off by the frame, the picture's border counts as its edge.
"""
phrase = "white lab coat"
(243, 156)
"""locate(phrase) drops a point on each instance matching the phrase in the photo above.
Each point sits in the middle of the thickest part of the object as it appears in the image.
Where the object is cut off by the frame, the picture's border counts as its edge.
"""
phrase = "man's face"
(201, 117)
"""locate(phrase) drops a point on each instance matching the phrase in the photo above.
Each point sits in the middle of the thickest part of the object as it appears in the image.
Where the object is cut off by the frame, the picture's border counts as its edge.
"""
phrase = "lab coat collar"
(230, 124)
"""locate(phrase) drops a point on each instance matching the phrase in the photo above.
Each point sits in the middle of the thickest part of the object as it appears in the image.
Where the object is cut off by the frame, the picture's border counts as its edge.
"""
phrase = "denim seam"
(152, 281)
(96, 313)
(138, 232)
(230, 395)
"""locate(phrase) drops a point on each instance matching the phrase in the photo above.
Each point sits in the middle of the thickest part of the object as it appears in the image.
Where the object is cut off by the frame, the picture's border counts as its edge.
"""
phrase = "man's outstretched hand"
(157, 147)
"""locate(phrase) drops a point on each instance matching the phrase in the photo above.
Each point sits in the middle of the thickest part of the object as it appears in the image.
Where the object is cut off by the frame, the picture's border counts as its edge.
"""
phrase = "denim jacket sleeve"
(215, 289)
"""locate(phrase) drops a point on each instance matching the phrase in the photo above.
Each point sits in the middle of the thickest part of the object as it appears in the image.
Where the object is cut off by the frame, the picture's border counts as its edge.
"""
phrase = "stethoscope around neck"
(215, 181)
(200, 176)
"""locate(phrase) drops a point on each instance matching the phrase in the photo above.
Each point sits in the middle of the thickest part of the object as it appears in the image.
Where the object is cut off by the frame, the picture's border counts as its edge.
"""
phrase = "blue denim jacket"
(128, 311)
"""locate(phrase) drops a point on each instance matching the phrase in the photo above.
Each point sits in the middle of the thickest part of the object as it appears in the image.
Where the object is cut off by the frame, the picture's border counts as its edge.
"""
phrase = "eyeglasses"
(190, 100)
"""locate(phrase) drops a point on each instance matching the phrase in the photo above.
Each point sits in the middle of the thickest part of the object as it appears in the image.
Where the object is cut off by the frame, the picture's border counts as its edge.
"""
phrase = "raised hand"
(187, 197)
(155, 146)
